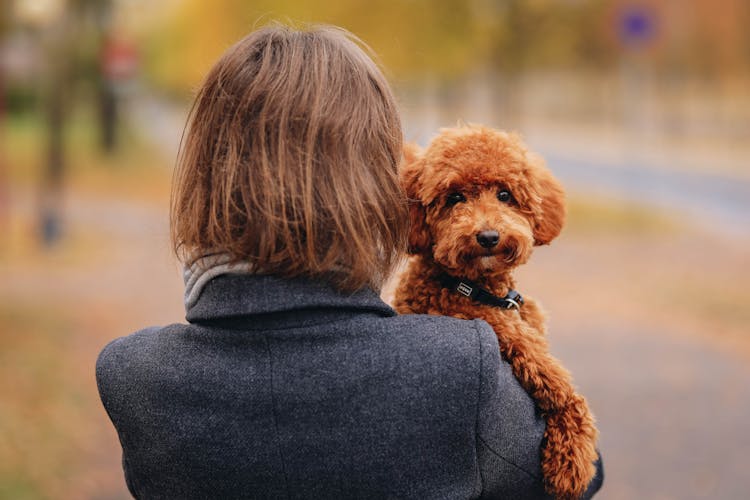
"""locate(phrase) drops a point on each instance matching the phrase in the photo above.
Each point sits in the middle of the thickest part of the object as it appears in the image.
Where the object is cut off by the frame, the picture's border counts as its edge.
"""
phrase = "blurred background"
(642, 108)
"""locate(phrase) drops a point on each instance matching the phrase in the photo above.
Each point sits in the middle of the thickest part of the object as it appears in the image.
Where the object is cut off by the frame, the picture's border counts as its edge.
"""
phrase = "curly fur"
(478, 162)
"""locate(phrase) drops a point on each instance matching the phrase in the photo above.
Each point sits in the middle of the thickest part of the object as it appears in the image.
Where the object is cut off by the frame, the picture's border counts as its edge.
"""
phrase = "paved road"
(711, 199)
(673, 413)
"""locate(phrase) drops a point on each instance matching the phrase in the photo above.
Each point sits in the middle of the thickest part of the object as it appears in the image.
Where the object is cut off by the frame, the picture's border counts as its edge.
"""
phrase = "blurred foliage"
(4, 16)
(447, 38)
(19, 99)
(410, 37)
(549, 33)
(180, 39)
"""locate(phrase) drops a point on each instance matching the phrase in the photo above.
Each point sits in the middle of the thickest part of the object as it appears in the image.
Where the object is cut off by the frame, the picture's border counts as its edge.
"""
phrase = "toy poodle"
(479, 203)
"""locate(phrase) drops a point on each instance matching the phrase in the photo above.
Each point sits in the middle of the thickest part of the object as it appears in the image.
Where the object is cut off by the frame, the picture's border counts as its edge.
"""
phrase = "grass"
(596, 215)
(720, 304)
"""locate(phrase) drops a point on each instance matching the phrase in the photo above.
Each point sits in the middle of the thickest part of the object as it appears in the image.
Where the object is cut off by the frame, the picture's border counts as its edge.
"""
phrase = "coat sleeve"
(509, 430)
(114, 367)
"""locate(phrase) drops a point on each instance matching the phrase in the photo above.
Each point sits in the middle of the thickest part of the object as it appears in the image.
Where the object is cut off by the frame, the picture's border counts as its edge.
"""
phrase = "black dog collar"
(467, 288)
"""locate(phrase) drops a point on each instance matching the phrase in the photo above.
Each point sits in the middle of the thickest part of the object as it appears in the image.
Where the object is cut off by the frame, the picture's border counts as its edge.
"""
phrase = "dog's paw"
(569, 453)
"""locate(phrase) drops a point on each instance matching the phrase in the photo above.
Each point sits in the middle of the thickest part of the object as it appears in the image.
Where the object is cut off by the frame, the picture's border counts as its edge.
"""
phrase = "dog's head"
(479, 201)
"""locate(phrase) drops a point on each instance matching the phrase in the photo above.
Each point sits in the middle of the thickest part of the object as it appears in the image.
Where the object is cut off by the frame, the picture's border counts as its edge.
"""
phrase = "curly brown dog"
(479, 203)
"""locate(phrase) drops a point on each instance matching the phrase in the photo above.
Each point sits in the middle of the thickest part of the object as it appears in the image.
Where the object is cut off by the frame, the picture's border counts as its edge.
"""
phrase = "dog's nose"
(488, 239)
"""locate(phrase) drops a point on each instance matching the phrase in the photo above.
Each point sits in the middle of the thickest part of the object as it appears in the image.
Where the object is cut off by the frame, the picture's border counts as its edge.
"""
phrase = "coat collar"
(251, 299)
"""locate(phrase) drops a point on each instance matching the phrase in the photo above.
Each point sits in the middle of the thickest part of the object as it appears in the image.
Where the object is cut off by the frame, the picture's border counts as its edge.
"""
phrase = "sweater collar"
(233, 294)
(202, 270)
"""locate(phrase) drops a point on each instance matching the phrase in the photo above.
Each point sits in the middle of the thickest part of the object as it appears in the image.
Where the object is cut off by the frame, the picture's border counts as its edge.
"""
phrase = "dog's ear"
(549, 213)
(410, 176)
(419, 233)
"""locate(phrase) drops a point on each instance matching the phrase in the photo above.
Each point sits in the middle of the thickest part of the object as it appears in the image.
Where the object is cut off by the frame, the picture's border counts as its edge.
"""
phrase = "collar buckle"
(511, 304)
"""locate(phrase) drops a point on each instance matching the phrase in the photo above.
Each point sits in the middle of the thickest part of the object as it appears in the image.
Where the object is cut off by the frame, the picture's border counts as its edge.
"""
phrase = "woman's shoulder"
(123, 356)
(442, 335)
(121, 346)
(468, 330)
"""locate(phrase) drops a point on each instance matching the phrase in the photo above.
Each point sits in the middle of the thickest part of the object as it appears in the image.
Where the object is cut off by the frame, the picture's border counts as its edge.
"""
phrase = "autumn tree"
(440, 36)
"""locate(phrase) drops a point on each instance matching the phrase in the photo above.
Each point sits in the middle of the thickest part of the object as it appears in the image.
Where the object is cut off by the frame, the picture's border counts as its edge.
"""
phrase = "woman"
(292, 378)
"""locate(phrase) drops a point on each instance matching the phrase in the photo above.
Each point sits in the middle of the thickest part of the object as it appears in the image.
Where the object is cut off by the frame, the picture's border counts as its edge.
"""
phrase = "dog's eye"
(454, 198)
(505, 196)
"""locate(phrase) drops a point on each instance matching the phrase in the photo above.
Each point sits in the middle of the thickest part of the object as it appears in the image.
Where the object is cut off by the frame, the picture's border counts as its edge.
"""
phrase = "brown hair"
(289, 161)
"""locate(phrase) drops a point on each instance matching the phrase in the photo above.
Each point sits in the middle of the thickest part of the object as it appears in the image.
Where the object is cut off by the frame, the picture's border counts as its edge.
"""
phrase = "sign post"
(119, 63)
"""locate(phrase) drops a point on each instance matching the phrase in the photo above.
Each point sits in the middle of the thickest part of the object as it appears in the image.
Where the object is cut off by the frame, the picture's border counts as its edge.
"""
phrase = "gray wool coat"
(288, 389)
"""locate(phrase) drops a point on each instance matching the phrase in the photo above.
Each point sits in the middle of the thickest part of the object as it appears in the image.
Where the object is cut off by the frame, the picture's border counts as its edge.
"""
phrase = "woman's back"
(287, 388)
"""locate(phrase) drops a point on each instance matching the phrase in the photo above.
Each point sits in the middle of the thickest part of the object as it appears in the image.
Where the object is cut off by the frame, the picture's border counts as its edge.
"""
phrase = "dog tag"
(464, 289)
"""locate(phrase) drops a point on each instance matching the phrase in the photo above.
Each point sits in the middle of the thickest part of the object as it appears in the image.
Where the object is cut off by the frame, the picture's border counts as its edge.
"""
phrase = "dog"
(479, 201)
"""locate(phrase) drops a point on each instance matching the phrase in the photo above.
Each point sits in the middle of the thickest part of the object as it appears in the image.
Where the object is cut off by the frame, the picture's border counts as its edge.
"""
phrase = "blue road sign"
(637, 26)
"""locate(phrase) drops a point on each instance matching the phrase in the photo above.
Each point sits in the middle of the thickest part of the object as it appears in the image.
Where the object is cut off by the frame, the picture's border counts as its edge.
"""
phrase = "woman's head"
(289, 161)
